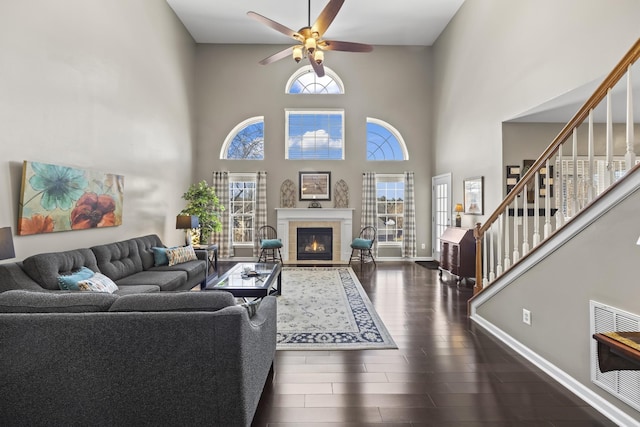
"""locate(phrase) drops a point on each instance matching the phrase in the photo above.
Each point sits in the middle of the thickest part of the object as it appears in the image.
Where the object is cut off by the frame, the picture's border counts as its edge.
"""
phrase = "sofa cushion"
(45, 268)
(270, 243)
(169, 280)
(12, 276)
(19, 301)
(181, 254)
(145, 243)
(137, 289)
(196, 270)
(69, 282)
(359, 243)
(175, 301)
(98, 282)
(119, 259)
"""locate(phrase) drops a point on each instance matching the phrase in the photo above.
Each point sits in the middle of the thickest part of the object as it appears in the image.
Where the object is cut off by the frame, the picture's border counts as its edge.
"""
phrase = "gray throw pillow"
(20, 301)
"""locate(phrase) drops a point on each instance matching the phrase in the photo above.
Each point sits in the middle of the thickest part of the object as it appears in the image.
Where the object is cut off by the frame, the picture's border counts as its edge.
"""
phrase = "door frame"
(436, 228)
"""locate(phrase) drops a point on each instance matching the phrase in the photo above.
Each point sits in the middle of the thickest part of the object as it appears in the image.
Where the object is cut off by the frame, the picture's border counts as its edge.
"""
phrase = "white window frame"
(325, 111)
(235, 178)
(396, 134)
(224, 150)
(385, 178)
(329, 74)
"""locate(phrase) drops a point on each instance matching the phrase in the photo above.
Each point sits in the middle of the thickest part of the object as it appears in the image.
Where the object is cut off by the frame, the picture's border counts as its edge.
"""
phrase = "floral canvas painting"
(63, 198)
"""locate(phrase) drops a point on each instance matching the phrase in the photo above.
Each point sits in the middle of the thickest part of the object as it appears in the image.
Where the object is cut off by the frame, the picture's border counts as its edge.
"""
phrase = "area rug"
(326, 308)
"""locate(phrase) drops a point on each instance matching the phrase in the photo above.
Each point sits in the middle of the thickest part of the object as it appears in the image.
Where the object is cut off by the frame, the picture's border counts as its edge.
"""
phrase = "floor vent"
(625, 385)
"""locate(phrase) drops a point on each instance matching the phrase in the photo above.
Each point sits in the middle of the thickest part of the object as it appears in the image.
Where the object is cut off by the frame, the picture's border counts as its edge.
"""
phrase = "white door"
(441, 207)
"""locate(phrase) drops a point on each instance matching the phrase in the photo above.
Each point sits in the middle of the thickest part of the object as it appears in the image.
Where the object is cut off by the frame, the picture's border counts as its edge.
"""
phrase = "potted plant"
(203, 202)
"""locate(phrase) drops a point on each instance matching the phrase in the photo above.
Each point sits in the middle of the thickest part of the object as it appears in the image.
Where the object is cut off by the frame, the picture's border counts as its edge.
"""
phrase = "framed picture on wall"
(474, 195)
(314, 185)
(513, 176)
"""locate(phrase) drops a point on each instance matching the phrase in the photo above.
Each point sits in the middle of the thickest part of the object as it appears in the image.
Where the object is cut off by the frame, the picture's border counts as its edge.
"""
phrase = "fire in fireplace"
(314, 243)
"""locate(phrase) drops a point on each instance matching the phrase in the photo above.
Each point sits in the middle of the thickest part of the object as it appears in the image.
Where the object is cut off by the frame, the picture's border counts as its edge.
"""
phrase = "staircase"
(551, 257)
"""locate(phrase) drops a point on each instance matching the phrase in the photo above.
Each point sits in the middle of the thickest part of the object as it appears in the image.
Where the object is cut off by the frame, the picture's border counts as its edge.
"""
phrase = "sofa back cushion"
(175, 301)
(45, 268)
(19, 301)
(145, 248)
(12, 276)
(119, 259)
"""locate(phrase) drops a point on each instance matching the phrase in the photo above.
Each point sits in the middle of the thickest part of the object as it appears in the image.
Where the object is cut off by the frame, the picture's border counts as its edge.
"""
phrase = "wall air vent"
(625, 385)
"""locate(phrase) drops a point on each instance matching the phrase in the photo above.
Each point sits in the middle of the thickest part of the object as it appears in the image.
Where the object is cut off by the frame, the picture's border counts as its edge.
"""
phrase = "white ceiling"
(376, 22)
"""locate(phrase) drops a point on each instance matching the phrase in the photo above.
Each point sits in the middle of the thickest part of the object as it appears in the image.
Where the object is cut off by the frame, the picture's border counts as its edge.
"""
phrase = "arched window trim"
(395, 133)
(224, 151)
(309, 69)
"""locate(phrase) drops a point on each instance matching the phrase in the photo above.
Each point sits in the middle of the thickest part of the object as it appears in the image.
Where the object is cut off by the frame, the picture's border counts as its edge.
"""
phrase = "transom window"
(245, 141)
(384, 142)
(305, 81)
(390, 208)
(314, 135)
(242, 208)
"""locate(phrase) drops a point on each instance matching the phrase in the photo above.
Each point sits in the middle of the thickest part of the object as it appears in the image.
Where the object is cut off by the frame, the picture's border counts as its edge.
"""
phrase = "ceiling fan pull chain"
(309, 14)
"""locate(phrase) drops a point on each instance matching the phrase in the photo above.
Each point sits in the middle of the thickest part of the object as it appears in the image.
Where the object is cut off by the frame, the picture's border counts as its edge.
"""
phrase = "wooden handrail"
(596, 98)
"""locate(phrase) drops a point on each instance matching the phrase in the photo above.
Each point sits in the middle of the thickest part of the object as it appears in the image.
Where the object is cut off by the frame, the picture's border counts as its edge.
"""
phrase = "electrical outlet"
(424, 246)
(526, 317)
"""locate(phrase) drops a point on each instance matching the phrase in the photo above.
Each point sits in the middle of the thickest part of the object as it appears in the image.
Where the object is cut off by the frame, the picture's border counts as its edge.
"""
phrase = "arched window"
(306, 81)
(384, 142)
(245, 141)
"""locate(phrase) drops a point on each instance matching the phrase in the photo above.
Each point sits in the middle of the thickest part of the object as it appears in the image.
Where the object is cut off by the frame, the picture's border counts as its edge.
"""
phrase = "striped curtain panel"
(369, 214)
(222, 239)
(261, 209)
(409, 228)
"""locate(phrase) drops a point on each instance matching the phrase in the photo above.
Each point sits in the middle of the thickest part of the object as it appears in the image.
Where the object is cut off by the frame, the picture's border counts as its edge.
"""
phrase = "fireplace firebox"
(315, 243)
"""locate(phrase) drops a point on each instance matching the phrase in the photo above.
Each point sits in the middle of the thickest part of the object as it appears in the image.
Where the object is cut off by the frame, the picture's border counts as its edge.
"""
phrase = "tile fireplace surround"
(340, 220)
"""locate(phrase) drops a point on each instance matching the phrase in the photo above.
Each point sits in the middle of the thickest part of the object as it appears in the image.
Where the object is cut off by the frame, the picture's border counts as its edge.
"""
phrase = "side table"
(212, 253)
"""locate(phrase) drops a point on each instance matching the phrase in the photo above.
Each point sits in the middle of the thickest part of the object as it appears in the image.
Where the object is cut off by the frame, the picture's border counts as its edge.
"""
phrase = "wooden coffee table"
(264, 279)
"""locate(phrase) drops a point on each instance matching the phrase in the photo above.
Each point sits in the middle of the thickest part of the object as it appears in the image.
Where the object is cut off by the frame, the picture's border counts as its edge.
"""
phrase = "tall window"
(242, 208)
(384, 142)
(245, 141)
(315, 135)
(390, 204)
(305, 81)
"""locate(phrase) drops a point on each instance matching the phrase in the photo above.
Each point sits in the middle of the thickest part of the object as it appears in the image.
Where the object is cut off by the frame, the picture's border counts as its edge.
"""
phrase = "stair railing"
(575, 180)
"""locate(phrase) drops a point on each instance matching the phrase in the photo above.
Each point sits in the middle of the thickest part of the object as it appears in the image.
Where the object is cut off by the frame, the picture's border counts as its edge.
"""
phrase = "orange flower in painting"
(36, 224)
(93, 211)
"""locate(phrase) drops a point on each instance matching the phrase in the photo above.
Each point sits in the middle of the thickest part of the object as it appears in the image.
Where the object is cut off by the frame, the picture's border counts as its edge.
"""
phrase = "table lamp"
(458, 209)
(187, 222)
(6, 243)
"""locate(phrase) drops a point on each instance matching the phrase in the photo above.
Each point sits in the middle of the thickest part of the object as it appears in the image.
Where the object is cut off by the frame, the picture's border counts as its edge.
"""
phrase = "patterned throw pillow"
(160, 255)
(69, 282)
(181, 254)
(98, 283)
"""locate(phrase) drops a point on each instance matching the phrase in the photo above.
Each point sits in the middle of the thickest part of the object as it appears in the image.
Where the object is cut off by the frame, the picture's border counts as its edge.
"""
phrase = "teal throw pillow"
(160, 256)
(271, 243)
(69, 282)
(361, 243)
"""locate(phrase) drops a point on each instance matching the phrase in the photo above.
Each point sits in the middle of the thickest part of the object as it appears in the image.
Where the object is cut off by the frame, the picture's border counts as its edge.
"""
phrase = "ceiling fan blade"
(277, 56)
(275, 25)
(318, 68)
(345, 46)
(327, 16)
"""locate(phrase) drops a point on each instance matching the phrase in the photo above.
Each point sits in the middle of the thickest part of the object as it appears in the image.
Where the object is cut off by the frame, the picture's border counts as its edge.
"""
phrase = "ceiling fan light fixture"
(310, 44)
(297, 53)
(318, 56)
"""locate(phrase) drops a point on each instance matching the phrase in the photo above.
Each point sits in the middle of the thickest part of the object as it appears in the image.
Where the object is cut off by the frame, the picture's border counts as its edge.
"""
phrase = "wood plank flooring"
(446, 371)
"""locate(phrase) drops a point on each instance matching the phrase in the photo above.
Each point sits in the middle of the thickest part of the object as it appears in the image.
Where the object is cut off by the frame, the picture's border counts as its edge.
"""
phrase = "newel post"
(478, 235)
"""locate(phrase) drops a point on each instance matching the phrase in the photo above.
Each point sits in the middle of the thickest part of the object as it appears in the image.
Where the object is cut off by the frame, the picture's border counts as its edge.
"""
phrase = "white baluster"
(536, 210)
(499, 250)
(591, 193)
(630, 155)
(525, 223)
(492, 273)
(561, 199)
(574, 158)
(485, 282)
(507, 254)
(547, 201)
(609, 179)
(516, 244)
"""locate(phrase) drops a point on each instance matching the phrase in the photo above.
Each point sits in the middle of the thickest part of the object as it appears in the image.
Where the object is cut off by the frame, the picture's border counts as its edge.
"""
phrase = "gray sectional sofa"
(150, 354)
(151, 359)
(129, 263)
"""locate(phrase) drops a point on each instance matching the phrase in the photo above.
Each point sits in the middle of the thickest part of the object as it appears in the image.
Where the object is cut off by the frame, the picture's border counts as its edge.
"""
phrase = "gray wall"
(390, 83)
(104, 85)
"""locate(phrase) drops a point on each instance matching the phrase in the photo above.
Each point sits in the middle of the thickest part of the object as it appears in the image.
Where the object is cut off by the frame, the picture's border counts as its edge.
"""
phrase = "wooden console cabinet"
(458, 253)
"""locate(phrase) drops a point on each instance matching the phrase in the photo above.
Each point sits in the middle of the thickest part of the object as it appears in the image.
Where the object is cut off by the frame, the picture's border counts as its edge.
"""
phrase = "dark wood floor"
(446, 371)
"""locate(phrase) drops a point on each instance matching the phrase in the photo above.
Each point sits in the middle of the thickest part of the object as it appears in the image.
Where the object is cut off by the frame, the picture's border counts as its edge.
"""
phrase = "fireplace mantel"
(341, 219)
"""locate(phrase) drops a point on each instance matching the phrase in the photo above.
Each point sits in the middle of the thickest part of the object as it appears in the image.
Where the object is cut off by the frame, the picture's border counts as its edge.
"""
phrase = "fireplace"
(314, 243)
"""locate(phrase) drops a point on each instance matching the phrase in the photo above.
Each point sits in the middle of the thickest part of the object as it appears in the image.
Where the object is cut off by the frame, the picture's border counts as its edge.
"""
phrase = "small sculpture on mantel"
(341, 195)
(288, 194)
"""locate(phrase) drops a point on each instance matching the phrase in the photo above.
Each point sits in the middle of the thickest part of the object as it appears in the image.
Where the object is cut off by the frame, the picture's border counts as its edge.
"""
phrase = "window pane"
(384, 142)
(313, 135)
(307, 82)
(246, 141)
(242, 209)
(390, 210)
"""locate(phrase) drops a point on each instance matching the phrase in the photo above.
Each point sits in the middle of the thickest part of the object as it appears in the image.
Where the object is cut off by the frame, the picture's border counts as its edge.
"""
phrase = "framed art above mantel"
(314, 185)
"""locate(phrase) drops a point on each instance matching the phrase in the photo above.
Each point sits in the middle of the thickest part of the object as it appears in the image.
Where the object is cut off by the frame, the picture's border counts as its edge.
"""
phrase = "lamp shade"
(459, 207)
(187, 222)
(6, 243)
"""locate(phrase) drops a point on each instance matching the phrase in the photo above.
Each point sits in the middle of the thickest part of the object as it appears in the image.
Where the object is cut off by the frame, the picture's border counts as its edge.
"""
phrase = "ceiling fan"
(312, 45)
